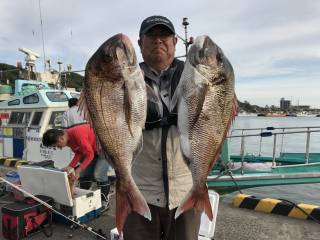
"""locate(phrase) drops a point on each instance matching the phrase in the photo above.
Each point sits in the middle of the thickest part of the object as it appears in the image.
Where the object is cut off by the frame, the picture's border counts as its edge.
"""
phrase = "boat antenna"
(186, 40)
(41, 24)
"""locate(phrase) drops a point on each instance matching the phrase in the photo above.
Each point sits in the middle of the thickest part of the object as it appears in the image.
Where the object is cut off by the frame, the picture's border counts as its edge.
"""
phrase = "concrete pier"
(232, 224)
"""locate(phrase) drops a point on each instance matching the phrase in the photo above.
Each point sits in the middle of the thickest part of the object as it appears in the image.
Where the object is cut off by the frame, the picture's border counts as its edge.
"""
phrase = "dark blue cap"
(152, 21)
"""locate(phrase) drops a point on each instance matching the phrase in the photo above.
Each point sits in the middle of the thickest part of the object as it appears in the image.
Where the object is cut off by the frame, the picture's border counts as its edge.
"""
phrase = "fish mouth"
(120, 51)
(204, 52)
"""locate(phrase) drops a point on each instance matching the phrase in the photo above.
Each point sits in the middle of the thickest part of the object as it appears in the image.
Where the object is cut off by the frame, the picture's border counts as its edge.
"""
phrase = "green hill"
(9, 73)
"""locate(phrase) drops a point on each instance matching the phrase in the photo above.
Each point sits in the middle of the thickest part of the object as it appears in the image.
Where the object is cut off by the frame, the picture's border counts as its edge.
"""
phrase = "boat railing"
(275, 135)
(243, 130)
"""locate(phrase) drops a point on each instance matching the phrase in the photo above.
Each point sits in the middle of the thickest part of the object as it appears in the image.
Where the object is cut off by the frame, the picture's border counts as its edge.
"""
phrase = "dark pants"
(96, 171)
(163, 225)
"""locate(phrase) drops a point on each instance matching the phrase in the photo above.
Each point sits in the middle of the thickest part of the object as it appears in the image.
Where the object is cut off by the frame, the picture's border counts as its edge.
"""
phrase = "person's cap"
(152, 21)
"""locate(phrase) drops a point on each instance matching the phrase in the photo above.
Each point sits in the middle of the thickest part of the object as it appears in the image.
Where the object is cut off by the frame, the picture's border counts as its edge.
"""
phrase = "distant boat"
(291, 115)
(318, 115)
(276, 115)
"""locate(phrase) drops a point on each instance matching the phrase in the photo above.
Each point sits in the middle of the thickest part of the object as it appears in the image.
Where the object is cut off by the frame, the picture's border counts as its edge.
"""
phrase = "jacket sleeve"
(85, 151)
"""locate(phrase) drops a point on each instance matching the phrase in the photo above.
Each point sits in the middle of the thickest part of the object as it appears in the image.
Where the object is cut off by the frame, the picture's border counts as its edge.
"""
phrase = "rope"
(228, 172)
(301, 209)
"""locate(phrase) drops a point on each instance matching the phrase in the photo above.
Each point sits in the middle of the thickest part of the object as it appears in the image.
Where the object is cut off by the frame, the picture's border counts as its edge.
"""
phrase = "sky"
(273, 45)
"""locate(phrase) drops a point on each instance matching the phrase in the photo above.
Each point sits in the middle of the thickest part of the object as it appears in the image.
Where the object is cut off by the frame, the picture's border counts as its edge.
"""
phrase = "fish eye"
(107, 58)
(219, 57)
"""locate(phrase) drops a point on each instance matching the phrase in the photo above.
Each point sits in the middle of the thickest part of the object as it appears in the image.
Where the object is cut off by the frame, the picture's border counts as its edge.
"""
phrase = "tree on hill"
(9, 73)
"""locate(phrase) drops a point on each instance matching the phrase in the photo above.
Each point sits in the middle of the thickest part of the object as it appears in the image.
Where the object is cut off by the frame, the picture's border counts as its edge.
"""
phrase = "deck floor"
(232, 223)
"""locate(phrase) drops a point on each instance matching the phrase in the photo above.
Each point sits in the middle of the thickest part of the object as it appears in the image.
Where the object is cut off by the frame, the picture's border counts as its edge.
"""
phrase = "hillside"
(9, 73)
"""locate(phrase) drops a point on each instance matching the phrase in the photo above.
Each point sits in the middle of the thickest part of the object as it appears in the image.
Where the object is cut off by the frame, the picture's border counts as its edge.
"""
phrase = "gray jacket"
(161, 145)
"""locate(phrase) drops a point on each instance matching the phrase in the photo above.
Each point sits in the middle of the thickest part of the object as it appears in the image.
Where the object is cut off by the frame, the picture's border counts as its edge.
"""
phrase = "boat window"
(27, 118)
(36, 118)
(33, 98)
(56, 118)
(16, 118)
(75, 95)
(14, 102)
(57, 96)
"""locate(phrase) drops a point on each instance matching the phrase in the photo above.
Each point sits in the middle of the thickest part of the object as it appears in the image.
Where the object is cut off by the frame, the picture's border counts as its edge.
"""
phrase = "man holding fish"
(136, 110)
(159, 170)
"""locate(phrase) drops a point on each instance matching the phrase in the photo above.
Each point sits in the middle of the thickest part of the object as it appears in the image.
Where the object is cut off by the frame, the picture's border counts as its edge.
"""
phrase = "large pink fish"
(114, 97)
(206, 107)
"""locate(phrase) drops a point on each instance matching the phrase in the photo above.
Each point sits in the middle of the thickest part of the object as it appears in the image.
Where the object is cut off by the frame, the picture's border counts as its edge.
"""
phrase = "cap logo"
(158, 20)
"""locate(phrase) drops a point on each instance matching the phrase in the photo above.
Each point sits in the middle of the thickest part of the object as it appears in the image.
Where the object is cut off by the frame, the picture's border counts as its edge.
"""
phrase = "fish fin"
(201, 94)
(127, 107)
(200, 202)
(235, 107)
(129, 200)
(233, 114)
(83, 108)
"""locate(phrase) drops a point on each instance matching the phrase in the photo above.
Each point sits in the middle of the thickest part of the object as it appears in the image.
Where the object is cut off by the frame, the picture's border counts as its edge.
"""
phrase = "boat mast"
(43, 49)
(187, 42)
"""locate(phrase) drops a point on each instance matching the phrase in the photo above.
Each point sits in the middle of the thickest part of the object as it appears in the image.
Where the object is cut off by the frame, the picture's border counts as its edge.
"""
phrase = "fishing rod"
(90, 229)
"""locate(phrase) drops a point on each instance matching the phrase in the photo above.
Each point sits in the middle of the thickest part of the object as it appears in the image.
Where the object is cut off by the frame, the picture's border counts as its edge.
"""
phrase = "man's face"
(158, 47)
(61, 142)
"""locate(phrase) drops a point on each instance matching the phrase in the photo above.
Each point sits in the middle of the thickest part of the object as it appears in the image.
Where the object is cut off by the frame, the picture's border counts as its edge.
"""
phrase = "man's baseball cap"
(152, 21)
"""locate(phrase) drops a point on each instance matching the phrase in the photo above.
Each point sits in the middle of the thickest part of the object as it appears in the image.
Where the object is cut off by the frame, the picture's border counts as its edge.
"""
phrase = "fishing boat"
(253, 169)
(35, 106)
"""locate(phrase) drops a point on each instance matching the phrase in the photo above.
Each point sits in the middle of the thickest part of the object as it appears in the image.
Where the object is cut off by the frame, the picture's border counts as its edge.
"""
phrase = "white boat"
(25, 118)
(35, 106)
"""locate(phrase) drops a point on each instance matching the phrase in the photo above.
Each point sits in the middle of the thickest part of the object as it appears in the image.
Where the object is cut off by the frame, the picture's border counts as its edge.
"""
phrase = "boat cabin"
(25, 117)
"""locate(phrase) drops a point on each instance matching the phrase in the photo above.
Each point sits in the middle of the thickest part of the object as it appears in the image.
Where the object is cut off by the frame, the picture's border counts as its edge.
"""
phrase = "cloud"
(267, 41)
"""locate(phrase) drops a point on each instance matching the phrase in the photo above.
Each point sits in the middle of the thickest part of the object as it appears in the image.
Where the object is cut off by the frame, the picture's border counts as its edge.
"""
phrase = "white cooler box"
(54, 183)
(207, 227)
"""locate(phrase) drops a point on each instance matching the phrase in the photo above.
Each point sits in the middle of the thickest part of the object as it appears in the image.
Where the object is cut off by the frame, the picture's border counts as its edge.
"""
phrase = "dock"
(232, 224)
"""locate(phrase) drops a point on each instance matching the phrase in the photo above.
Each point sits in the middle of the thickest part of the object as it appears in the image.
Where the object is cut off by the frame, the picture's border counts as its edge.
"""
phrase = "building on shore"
(285, 104)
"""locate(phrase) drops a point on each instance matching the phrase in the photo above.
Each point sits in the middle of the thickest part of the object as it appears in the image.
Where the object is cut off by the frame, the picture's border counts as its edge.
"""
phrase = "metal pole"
(43, 49)
(242, 154)
(274, 150)
(185, 23)
(282, 141)
(307, 147)
(260, 144)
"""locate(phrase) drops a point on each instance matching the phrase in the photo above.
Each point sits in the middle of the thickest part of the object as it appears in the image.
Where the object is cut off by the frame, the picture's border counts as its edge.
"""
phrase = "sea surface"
(302, 193)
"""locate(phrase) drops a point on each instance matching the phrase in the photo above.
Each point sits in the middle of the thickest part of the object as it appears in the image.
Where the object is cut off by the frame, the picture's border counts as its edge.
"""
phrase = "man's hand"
(71, 173)
(68, 170)
(77, 173)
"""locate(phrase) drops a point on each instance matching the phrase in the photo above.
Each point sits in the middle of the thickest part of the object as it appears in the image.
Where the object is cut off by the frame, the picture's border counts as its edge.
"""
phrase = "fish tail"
(127, 201)
(198, 201)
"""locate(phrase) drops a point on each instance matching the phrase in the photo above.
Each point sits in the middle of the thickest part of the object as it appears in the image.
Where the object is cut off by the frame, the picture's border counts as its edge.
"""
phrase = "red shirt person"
(82, 141)
(87, 164)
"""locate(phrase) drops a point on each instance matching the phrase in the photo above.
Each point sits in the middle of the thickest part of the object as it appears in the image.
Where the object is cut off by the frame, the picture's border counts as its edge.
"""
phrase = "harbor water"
(306, 193)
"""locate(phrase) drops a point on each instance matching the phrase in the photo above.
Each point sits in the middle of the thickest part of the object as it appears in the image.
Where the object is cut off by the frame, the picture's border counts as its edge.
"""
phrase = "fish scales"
(206, 107)
(114, 99)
